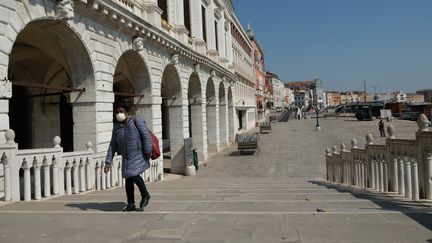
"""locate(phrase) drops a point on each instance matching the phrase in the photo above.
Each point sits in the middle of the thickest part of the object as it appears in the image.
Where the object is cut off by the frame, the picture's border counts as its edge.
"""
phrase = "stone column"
(395, 175)
(372, 174)
(377, 175)
(89, 181)
(363, 175)
(415, 181)
(401, 177)
(408, 179)
(98, 177)
(56, 182)
(7, 180)
(5, 95)
(37, 180)
(385, 171)
(429, 175)
(81, 176)
(153, 13)
(212, 118)
(75, 177)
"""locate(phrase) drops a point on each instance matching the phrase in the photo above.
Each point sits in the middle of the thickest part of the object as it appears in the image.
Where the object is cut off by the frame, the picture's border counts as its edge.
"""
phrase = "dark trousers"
(382, 132)
(130, 181)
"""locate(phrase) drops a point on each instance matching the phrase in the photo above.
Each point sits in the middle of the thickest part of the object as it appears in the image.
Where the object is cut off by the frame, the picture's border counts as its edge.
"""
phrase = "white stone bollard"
(47, 178)
(75, 177)
(429, 175)
(401, 189)
(68, 178)
(395, 175)
(408, 182)
(55, 174)
(415, 182)
(27, 182)
(37, 180)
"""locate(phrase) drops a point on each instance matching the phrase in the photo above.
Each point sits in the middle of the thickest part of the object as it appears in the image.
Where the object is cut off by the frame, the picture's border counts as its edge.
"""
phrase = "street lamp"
(317, 126)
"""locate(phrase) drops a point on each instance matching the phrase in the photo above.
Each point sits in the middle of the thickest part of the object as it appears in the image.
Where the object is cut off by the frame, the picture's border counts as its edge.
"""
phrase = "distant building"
(289, 96)
(302, 98)
(427, 94)
(333, 98)
(414, 98)
(315, 88)
(278, 92)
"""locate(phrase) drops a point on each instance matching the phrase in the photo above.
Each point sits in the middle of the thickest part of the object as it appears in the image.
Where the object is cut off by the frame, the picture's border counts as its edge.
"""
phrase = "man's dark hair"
(122, 105)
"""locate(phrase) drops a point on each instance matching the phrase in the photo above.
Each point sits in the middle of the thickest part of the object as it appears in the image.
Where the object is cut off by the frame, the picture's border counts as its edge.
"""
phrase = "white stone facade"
(91, 53)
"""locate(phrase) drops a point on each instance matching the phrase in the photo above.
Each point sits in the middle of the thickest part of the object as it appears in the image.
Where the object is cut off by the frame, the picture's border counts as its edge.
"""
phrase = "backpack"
(155, 144)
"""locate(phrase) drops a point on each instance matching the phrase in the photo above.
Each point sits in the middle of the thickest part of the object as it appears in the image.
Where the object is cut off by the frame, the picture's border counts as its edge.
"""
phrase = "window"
(216, 35)
(204, 22)
(162, 4)
(186, 13)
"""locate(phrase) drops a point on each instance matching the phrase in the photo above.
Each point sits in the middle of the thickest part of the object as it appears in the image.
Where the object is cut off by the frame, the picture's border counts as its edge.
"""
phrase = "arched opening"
(172, 122)
(195, 111)
(222, 116)
(231, 125)
(211, 117)
(131, 85)
(48, 61)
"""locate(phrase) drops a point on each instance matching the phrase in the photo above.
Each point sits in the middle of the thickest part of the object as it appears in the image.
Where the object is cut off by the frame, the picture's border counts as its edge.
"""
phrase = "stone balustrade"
(32, 174)
(400, 166)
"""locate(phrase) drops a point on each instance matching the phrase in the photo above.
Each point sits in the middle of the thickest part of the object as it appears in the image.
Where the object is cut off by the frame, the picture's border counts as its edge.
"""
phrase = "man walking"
(381, 128)
(132, 140)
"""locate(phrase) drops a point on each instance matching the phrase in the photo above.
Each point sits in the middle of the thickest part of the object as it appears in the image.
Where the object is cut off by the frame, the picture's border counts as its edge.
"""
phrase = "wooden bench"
(265, 127)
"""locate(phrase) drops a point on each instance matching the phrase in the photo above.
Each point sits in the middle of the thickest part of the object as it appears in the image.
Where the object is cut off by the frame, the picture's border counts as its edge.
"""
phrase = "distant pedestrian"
(381, 128)
(132, 140)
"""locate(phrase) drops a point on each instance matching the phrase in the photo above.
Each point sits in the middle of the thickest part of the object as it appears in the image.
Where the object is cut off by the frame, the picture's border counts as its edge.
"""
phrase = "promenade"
(278, 195)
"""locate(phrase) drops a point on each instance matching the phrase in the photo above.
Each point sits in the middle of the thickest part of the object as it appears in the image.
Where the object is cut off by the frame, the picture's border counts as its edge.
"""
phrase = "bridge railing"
(32, 174)
(400, 166)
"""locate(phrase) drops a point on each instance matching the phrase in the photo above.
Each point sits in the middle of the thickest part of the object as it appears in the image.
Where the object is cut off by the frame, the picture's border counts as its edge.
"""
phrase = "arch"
(131, 78)
(172, 121)
(51, 53)
(195, 111)
(231, 110)
(223, 132)
(211, 117)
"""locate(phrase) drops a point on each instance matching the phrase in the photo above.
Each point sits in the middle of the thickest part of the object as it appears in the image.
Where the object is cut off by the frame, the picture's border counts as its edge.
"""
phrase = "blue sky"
(388, 43)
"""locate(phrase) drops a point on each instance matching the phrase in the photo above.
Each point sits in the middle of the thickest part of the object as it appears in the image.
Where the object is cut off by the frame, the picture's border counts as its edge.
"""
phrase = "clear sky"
(388, 43)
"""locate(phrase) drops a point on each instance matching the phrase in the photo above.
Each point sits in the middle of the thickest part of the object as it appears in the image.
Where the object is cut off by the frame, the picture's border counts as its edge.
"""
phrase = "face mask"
(120, 117)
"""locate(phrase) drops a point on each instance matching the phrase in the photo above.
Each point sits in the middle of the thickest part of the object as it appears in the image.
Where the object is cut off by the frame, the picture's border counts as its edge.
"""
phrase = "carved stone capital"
(65, 10)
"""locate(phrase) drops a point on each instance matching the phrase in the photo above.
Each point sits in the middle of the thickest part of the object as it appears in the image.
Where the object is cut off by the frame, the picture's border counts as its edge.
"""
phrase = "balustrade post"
(415, 182)
(377, 175)
(381, 175)
(68, 178)
(363, 175)
(108, 179)
(408, 182)
(27, 182)
(386, 179)
(98, 177)
(395, 176)
(89, 182)
(401, 190)
(37, 180)
(75, 177)
(55, 176)
(429, 175)
(82, 175)
(372, 174)
(7, 178)
(47, 177)
(119, 173)
(103, 177)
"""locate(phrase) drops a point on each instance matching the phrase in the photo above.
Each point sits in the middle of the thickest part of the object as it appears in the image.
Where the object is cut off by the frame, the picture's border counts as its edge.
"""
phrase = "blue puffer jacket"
(133, 142)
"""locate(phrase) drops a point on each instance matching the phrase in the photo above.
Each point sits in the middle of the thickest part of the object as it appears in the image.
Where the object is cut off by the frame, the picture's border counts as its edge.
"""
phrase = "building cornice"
(129, 23)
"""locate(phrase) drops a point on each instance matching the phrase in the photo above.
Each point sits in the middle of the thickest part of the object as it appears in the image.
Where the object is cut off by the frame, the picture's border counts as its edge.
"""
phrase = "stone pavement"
(275, 196)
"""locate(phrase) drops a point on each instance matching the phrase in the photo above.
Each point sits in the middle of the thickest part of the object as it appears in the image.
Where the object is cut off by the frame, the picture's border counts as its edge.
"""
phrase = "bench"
(247, 142)
(265, 127)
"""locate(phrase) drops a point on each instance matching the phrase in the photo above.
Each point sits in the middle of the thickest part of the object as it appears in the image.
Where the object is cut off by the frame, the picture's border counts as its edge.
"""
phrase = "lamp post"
(317, 126)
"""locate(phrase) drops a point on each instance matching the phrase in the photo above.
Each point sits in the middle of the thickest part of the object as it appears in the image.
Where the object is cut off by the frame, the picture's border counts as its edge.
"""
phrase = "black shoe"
(145, 201)
(130, 207)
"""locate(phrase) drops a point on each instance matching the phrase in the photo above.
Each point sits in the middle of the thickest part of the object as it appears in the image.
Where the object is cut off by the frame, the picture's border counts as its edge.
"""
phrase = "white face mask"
(120, 117)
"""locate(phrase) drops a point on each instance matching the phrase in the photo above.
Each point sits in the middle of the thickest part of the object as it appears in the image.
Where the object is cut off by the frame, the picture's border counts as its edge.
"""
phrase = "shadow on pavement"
(104, 206)
(242, 153)
(416, 211)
